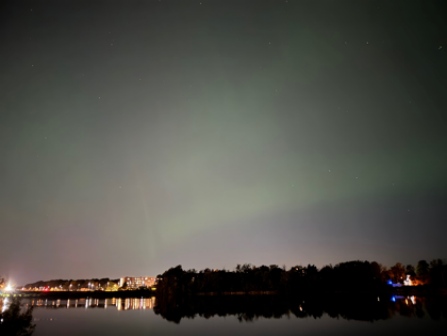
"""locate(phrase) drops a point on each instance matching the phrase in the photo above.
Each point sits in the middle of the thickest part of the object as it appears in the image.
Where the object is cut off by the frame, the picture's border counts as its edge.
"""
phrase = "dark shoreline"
(95, 294)
(401, 291)
(406, 291)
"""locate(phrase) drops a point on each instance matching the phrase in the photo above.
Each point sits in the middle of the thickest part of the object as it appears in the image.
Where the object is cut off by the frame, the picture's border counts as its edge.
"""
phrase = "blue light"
(393, 299)
(390, 282)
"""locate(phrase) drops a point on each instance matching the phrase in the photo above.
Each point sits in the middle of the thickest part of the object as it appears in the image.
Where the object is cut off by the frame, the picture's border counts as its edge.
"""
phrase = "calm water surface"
(401, 316)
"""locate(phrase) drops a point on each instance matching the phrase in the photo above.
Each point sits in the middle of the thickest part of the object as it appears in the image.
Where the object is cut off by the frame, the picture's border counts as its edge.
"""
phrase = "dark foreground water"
(242, 316)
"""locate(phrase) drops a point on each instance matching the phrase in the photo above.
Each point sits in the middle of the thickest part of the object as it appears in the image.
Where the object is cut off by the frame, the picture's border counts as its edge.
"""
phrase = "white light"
(407, 281)
(8, 288)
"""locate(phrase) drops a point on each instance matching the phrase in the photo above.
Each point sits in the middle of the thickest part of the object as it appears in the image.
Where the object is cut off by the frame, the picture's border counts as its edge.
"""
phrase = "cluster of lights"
(406, 282)
(408, 299)
(111, 286)
(90, 287)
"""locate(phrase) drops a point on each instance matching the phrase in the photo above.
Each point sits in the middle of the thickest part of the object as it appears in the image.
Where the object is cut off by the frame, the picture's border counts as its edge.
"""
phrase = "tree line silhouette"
(343, 277)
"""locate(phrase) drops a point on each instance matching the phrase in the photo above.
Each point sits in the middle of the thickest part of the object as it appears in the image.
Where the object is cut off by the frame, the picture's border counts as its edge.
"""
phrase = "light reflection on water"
(269, 315)
(404, 305)
(88, 303)
(4, 303)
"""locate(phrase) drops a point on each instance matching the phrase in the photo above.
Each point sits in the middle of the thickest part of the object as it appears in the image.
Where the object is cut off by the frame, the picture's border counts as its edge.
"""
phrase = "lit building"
(135, 282)
(407, 281)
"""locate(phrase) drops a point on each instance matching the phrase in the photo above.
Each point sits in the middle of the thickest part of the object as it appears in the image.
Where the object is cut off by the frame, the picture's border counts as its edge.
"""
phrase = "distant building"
(407, 281)
(135, 282)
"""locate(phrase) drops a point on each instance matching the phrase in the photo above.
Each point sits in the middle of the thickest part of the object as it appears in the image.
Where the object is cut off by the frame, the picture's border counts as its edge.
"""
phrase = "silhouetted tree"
(422, 267)
(15, 322)
(410, 270)
(273, 266)
(438, 270)
(397, 273)
(376, 269)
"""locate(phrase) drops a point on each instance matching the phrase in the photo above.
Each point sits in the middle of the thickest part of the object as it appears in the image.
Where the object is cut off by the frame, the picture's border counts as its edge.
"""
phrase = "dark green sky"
(135, 136)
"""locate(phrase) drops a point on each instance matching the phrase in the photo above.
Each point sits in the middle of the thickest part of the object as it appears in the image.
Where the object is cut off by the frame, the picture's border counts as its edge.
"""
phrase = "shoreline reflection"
(250, 308)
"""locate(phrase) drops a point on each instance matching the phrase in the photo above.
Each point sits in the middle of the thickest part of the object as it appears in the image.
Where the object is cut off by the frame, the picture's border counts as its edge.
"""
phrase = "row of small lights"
(9, 287)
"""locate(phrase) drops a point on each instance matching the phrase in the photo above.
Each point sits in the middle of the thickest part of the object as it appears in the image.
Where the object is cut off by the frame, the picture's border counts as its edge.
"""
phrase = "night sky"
(139, 135)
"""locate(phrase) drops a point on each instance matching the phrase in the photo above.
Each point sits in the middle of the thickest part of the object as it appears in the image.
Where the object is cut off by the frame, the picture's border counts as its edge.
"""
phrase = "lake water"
(241, 316)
